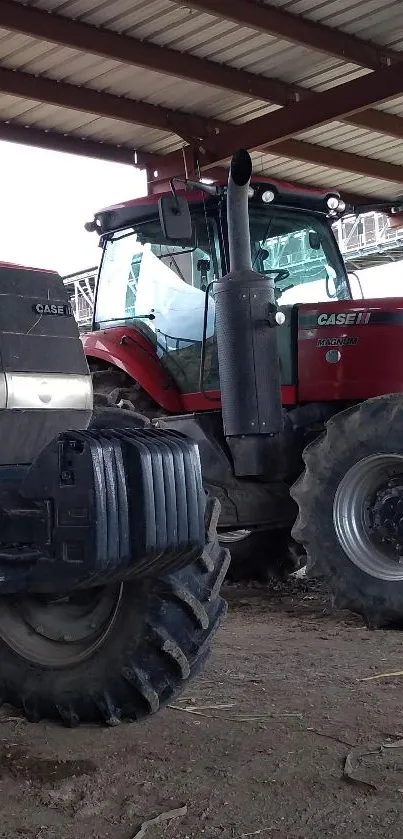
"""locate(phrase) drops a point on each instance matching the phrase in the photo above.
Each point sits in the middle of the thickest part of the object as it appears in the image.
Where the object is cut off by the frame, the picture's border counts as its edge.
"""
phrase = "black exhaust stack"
(247, 344)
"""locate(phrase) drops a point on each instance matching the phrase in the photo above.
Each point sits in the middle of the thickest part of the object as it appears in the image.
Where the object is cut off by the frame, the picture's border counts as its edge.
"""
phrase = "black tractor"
(110, 570)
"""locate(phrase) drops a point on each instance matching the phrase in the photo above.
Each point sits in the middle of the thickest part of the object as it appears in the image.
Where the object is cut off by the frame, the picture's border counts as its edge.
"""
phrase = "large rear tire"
(350, 500)
(113, 654)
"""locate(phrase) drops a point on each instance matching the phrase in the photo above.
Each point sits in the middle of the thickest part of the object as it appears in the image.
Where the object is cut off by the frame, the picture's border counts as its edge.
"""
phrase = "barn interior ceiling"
(313, 88)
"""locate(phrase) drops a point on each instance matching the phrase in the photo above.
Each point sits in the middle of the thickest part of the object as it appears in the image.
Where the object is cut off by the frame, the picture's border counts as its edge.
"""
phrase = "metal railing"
(81, 290)
(368, 240)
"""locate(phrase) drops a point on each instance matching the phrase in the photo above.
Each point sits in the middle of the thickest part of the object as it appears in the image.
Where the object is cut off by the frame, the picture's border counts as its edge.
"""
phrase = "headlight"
(333, 202)
(268, 196)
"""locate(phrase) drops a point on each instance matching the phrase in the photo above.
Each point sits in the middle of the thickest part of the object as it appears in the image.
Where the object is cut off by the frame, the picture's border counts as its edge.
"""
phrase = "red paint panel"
(289, 395)
(196, 195)
(211, 399)
(129, 350)
(370, 367)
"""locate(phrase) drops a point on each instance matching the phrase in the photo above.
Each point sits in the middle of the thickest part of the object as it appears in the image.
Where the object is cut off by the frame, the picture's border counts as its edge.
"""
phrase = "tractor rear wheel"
(121, 652)
(350, 500)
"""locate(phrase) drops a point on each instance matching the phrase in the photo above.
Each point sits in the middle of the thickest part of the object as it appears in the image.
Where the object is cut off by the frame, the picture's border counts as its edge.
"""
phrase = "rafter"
(131, 51)
(263, 17)
(97, 41)
(42, 89)
(335, 104)
(58, 29)
(263, 132)
(379, 121)
(368, 167)
(293, 149)
(57, 93)
(12, 132)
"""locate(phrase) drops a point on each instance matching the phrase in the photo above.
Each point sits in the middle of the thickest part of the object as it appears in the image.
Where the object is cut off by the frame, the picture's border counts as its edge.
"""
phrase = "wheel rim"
(230, 536)
(368, 515)
(59, 632)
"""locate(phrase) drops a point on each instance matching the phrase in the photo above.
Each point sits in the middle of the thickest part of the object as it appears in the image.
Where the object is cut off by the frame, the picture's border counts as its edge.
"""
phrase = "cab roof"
(119, 216)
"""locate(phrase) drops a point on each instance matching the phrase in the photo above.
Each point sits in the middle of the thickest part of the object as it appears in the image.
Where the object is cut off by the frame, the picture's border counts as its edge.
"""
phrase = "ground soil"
(256, 747)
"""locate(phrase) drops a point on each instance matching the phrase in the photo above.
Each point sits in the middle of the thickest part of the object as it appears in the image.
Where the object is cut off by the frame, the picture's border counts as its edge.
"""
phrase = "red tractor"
(226, 313)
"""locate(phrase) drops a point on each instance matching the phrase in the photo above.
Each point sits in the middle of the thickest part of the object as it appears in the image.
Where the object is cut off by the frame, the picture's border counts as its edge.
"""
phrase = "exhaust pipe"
(238, 212)
(247, 344)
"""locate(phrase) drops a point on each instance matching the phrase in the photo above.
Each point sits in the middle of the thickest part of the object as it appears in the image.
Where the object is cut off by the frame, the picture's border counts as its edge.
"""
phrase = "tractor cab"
(162, 289)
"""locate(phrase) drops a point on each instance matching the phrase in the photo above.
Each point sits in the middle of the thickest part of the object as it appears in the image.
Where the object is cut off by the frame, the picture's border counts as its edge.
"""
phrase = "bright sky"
(46, 198)
(385, 281)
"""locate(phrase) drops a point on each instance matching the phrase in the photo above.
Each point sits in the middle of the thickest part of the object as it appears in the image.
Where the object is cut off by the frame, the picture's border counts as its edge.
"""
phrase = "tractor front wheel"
(111, 654)
(350, 500)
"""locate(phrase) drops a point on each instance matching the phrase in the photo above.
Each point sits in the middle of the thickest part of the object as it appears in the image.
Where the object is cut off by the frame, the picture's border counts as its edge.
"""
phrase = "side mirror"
(175, 218)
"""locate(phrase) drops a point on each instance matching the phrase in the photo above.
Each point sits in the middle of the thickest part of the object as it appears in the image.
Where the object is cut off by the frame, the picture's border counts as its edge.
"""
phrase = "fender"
(128, 350)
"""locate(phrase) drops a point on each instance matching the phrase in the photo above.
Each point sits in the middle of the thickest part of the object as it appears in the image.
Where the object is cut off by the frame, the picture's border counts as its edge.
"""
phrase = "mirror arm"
(175, 195)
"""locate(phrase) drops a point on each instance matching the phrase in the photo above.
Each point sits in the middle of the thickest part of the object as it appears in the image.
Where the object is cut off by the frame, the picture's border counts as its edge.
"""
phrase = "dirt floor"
(280, 737)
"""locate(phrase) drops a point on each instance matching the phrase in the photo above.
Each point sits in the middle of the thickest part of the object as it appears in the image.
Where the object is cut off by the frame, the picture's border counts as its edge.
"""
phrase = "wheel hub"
(386, 516)
(368, 515)
(58, 632)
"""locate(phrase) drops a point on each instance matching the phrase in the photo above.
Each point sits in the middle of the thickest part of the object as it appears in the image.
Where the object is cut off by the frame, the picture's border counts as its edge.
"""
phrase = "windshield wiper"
(263, 240)
(172, 258)
(150, 316)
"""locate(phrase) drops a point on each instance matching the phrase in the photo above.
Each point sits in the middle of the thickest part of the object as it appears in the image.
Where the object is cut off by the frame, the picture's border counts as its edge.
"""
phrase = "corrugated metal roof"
(169, 24)
(338, 135)
(174, 25)
(372, 20)
(322, 176)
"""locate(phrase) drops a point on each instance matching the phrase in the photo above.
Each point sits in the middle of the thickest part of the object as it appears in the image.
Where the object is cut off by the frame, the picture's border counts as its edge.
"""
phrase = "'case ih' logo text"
(62, 309)
(344, 319)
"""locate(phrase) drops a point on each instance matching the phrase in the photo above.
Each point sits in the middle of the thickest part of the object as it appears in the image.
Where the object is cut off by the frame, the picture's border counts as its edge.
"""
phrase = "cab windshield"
(161, 286)
(302, 247)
